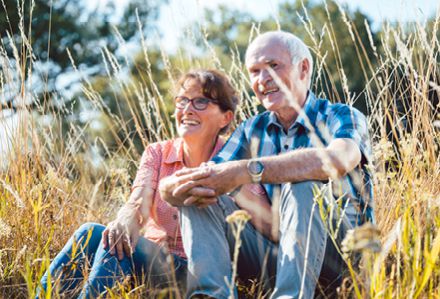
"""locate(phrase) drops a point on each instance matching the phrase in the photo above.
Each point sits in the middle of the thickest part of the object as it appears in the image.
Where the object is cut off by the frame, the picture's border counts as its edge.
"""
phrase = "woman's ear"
(227, 118)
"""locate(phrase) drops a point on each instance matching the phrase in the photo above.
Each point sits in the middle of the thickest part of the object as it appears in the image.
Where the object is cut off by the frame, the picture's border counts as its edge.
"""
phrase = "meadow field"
(61, 168)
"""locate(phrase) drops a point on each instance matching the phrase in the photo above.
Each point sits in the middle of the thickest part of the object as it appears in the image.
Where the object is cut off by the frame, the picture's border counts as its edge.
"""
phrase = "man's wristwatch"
(255, 169)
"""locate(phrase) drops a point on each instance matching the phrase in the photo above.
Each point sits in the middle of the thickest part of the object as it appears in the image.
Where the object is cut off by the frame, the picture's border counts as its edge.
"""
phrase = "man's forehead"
(266, 52)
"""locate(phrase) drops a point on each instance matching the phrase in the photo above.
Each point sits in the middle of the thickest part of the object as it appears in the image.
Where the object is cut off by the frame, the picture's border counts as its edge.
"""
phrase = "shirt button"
(286, 146)
(175, 217)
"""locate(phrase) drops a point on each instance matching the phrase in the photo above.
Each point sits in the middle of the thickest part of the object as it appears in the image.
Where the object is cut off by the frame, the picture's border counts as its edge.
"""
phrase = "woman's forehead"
(191, 85)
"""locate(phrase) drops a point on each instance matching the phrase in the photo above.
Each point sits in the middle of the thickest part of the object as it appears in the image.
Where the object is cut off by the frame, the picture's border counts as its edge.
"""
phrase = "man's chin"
(271, 104)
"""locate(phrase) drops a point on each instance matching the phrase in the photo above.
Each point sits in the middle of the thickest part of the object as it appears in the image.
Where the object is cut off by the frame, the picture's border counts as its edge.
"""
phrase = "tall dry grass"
(57, 176)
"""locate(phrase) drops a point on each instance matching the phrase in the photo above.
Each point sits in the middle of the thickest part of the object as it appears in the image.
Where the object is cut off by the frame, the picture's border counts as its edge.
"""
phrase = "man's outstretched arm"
(337, 159)
(340, 157)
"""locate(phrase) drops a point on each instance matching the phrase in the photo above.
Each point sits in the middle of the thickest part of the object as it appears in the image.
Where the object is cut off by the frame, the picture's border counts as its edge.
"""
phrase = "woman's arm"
(121, 235)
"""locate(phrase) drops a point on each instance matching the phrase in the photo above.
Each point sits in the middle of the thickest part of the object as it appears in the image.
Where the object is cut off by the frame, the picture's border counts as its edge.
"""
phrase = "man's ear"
(304, 68)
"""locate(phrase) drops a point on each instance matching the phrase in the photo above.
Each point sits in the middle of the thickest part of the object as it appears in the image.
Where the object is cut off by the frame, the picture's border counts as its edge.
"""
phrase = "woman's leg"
(159, 269)
(68, 266)
(149, 263)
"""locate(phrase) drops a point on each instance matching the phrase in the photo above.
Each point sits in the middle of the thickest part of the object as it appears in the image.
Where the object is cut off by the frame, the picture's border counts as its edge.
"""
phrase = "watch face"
(256, 167)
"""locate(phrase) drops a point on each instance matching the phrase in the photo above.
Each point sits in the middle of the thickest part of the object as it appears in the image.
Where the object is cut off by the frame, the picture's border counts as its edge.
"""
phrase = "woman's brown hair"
(216, 86)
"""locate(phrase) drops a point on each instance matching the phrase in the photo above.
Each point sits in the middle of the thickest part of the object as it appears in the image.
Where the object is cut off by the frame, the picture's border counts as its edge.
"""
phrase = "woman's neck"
(196, 152)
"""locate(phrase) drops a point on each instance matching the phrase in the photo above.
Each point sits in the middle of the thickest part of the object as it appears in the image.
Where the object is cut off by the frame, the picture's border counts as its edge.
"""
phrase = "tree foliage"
(43, 31)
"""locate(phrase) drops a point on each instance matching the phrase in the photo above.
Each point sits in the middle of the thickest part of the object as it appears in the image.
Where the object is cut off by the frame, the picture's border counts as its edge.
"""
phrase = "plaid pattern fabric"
(159, 160)
(317, 125)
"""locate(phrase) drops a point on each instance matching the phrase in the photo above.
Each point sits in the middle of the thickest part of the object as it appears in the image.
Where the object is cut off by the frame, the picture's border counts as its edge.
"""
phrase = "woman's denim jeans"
(84, 252)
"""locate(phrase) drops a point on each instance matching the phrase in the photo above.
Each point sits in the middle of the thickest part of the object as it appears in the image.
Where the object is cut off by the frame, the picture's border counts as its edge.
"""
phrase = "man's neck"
(287, 117)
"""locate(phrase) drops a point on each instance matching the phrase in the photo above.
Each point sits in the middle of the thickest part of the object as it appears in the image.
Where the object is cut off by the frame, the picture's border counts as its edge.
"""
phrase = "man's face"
(273, 54)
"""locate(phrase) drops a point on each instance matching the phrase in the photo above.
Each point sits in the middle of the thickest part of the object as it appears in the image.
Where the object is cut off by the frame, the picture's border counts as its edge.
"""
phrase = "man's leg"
(303, 238)
(334, 268)
(208, 242)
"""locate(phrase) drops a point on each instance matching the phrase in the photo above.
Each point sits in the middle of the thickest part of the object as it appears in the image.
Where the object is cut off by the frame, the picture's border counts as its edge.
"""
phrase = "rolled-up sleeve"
(348, 122)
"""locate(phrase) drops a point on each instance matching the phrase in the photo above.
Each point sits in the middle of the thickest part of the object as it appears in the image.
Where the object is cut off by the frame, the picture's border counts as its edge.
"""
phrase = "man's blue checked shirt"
(317, 125)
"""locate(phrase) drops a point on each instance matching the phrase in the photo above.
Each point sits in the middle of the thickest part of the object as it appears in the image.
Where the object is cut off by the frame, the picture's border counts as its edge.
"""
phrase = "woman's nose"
(188, 107)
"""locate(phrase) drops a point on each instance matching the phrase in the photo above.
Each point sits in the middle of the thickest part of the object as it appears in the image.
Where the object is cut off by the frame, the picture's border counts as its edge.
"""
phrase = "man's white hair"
(297, 48)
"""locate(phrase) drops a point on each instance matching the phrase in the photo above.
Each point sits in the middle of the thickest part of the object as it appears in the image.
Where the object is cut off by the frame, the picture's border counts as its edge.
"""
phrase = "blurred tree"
(42, 30)
(228, 31)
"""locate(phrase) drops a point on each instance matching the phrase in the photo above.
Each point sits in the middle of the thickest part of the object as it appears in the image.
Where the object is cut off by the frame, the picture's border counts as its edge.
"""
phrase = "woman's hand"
(121, 236)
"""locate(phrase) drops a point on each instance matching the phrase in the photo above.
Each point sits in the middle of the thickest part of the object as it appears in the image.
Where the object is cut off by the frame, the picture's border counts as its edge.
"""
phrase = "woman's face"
(199, 125)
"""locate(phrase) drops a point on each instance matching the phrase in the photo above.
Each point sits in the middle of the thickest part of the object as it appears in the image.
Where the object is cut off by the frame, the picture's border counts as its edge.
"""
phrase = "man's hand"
(220, 178)
(205, 196)
(121, 236)
(201, 186)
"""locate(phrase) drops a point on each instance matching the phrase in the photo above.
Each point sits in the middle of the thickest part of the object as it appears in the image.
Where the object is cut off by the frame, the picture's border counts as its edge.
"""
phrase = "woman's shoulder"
(164, 146)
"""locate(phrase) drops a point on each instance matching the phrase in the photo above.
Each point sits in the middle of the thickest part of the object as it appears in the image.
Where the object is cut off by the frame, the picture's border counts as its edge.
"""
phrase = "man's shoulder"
(329, 109)
(259, 120)
(263, 116)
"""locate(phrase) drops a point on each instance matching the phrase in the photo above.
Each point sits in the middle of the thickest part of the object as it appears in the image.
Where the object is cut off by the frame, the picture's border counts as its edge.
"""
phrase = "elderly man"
(301, 144)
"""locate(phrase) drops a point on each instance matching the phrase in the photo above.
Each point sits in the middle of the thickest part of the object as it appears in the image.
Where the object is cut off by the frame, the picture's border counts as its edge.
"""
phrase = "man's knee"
(224, 206)
(306, 189)
(302, 195)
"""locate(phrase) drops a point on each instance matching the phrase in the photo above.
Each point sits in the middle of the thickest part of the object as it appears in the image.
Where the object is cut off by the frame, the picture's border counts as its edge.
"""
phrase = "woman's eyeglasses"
(198, 103)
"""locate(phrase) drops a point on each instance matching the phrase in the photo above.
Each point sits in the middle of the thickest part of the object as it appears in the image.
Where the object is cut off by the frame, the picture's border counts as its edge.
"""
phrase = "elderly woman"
(204, 109)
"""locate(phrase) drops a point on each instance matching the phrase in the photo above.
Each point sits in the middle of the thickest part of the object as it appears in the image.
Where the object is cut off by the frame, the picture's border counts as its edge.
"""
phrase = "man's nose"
(264, 76)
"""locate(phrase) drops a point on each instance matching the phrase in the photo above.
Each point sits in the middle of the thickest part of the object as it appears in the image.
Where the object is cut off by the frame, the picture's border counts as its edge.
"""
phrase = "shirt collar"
(310, 111)
(175, 152)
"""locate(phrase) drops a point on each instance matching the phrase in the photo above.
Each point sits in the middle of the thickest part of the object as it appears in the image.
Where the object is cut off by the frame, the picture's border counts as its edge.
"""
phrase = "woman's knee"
(89, 231)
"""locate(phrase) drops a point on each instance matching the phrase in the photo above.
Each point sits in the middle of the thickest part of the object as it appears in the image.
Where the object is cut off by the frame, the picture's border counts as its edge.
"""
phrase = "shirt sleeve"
(348, 122)
(235, 148)
(147, 174)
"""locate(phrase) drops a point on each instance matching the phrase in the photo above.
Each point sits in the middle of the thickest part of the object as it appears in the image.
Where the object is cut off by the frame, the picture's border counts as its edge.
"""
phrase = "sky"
(179, 13)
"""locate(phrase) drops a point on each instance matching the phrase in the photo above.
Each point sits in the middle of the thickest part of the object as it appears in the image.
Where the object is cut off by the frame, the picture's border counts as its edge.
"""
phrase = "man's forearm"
(297, 166)
(311, 163)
